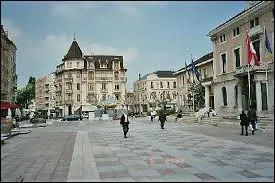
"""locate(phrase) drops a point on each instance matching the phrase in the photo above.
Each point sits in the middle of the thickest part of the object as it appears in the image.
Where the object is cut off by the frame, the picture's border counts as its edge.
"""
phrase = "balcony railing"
(69, 91)
(69, 101)
(256, 30)
(104, 78)
(68, 79)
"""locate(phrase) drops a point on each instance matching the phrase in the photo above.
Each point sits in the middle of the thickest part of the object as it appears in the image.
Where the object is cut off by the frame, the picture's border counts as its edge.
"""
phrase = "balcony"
(207, 79)
(69, 91)
(104, 90)
(256, 30)
(69, 79)
(104, 78)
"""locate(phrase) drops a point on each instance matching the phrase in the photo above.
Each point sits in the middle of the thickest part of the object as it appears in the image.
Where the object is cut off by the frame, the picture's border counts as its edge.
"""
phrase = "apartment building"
(154, 89)
(230, 62)
(87, 80)
(205, 67)
(130, 98)
(45, 94)
(8, 68)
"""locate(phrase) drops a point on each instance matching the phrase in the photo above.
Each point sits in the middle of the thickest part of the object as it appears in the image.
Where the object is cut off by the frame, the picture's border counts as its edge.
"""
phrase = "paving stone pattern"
(97, 151)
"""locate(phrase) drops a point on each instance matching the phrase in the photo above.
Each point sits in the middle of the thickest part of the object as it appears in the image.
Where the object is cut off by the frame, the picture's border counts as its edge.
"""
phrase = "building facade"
(185, 77)
(154, 89)
(8, 68)
(85, 80)
(45, 94)
(230, 62)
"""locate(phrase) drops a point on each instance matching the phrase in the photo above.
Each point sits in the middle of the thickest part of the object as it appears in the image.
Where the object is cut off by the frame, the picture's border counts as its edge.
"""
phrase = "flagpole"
(266, 66)
(248, 74)
(193, 85)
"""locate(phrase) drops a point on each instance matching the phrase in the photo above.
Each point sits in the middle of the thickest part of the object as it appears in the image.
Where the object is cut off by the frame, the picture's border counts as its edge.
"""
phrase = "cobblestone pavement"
(97, 151)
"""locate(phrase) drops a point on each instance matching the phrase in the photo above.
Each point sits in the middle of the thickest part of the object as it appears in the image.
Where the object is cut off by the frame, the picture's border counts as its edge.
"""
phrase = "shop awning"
(7, 105)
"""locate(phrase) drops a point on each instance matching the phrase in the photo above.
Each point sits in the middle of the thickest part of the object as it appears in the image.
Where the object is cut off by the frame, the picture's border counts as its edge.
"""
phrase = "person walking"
(162, 119)
(252, 118)
(244, 122)
(125, 124)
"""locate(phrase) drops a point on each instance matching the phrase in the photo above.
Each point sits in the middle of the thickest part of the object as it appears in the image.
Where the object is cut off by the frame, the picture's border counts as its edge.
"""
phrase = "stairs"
(188, 117)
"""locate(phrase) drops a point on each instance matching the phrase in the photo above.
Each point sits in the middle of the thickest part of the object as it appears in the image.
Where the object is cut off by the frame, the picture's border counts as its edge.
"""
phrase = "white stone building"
(88, 80)
(153, 89)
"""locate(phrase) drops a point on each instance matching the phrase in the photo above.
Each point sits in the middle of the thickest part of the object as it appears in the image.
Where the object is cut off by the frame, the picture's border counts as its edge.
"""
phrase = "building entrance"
(245, 92)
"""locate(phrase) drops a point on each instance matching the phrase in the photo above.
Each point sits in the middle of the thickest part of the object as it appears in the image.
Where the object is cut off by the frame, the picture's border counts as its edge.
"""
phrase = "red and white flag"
(251, 53)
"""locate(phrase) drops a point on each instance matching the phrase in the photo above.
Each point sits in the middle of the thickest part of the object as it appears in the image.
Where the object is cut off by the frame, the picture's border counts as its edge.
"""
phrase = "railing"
(69, 91)
(68, 79)
(104, 78)
(69, 101)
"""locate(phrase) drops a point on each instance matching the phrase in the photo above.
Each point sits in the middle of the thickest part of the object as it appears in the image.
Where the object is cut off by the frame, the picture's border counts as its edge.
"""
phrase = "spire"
(74, 37)
(74, 51)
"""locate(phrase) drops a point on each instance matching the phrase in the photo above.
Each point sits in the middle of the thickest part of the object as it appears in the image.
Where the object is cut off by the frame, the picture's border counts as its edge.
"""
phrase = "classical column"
(206, 97)
(240, 98)
(258, 96)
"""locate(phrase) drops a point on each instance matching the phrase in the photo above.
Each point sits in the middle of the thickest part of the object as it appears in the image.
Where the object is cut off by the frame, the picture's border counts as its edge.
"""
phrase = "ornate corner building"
(85, 80)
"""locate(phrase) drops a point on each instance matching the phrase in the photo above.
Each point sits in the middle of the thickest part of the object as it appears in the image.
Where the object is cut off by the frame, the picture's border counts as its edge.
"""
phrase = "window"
(237, 57)
(236, 95)
(223, 63)
(90, 86)
(204, 73)
(152, 85)
(254, 22)
(103, 96)
(117, 96)
(78, 86)
(78, 75)
(103, 86)
(174, 84)
(161, 85)
(90, 75)
(168, 86)
(77, 64)
(78, 97)
(236, 32)
(69, 75)
(224, 94)
(116, 87)
(256, 45)
(116, 75)
(71, 64)
(222, 38)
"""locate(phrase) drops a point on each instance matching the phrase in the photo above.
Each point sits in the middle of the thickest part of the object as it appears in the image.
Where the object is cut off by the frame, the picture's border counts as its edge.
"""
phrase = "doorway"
(69, 109)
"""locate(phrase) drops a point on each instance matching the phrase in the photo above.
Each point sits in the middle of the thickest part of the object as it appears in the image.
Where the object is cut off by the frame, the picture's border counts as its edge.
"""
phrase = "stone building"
(85, 80)
(154, 89)
(230, 63)
(45, 94)
(8, 68)
(205, 67)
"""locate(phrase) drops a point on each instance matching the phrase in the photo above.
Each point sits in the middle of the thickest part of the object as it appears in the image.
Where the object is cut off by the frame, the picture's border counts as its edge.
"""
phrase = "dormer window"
(103, 65)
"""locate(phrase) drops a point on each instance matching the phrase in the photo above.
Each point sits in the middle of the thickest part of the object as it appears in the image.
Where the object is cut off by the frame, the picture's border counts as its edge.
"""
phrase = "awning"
(7, 105)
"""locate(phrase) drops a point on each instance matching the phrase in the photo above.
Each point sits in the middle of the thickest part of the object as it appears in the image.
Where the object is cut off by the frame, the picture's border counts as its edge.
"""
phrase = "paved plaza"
(97, 151)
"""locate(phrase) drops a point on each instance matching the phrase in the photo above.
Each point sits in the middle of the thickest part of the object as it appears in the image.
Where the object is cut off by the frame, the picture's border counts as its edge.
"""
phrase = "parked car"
(37, 120)
(73, 117)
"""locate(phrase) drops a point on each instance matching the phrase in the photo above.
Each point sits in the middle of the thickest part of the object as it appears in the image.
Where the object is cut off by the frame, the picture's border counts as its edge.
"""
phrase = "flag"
(195, 71)
(187, 71)
(267, 45)
(251, 53)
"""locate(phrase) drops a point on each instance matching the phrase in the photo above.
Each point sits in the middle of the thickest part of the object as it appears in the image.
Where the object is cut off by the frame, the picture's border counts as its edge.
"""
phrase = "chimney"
(138, 76)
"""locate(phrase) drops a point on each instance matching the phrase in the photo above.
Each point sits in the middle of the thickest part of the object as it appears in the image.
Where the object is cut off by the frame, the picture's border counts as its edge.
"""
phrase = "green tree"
(199, 92)
(26, 94)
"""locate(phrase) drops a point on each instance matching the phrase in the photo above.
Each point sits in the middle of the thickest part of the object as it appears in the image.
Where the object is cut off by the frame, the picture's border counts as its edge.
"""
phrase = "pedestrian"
(152, 116)
(17, 121)
(252, 118)
(125, 124)
(244, 123)
(162, 119)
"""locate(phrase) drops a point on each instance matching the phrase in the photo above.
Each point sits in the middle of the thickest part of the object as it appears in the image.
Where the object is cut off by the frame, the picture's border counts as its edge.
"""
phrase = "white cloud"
(14, 32)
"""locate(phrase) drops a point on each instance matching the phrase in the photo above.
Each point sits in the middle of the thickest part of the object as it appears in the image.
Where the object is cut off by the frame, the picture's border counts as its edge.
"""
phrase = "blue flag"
(267, 45)
(195, 71)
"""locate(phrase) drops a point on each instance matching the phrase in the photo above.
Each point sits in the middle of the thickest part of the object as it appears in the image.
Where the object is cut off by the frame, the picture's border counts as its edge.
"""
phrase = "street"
(97, 151)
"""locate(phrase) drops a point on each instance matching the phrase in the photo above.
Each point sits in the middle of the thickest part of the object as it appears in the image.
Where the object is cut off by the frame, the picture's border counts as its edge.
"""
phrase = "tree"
(199, 91)
(26, 94)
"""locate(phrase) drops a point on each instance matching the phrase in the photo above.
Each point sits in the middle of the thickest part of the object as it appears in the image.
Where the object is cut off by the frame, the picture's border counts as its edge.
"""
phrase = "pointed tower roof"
(74, 51)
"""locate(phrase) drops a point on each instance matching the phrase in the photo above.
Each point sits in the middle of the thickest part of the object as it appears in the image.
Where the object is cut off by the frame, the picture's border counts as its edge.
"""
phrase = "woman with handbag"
(244, 123)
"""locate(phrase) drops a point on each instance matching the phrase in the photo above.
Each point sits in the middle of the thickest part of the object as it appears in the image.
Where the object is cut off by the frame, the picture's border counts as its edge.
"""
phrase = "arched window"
(224, 96)
(236, 95)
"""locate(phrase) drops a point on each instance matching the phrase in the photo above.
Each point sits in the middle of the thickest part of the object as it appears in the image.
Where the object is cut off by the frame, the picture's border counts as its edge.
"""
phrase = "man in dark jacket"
(125, 124)
(162, 119)
(252, 118)
(244, 122)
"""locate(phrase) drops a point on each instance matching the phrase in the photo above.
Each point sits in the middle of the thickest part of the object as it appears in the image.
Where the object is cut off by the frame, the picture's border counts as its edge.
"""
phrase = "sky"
(150, 35)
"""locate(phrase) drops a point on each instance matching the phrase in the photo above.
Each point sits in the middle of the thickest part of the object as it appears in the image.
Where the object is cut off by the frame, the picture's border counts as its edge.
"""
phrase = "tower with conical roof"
(74, 51)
